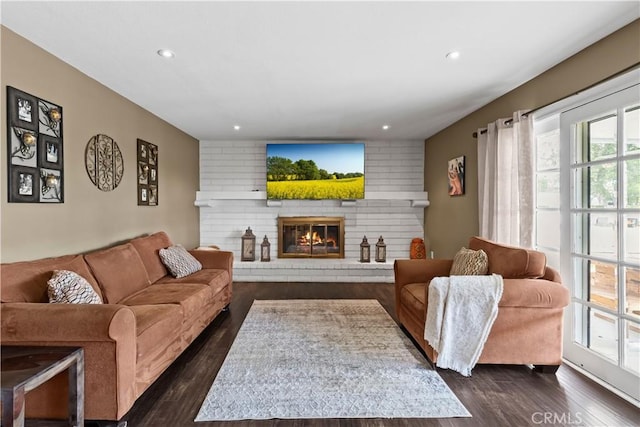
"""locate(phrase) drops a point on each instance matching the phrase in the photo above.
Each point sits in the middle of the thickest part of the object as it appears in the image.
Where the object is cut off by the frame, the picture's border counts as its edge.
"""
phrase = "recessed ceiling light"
(166, 53)
(454, 54)
(236, 127)
(385, 127)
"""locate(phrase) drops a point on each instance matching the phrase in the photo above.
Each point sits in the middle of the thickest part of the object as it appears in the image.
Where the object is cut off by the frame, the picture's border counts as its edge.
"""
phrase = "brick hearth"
(313, 270)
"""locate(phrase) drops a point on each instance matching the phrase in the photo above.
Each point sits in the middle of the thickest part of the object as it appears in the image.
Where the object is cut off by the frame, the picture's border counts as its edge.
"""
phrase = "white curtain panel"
(506, 180)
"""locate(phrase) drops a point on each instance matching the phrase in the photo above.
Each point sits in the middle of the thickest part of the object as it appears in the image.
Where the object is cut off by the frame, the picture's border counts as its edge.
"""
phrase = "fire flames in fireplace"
(304, 237)
(313, 239)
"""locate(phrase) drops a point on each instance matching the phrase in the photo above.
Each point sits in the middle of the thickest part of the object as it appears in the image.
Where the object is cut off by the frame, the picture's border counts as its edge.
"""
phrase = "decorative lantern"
(381, 251)
(265, 250)
(248, 251)
(365, 253)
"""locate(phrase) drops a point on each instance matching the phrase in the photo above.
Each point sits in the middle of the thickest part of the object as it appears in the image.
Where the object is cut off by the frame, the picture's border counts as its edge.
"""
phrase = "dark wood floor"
(495, 395)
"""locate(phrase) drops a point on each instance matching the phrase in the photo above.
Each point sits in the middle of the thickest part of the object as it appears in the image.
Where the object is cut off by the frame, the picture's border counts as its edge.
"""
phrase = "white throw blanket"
(460, 314)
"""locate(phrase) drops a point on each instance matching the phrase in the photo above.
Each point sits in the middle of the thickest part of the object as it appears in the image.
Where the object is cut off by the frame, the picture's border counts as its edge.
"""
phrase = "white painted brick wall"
(390, 166)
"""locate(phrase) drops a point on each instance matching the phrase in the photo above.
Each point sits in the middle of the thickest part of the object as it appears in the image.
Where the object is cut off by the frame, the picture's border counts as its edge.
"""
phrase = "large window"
(596, 227)
(606, 173)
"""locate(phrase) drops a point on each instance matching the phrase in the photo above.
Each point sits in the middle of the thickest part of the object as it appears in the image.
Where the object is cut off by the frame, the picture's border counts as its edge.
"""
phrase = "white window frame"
(570, 110)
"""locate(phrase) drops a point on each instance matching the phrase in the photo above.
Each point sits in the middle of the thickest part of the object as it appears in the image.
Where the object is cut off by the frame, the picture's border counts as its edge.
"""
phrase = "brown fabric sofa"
(148, 318)
(528, 329)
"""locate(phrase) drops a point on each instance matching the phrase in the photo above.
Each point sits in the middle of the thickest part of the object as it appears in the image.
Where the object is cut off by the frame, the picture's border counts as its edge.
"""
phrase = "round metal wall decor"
(104, 162)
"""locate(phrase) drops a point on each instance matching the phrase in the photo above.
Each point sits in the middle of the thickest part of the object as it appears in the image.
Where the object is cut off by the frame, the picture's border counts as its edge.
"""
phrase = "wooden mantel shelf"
(419, 199)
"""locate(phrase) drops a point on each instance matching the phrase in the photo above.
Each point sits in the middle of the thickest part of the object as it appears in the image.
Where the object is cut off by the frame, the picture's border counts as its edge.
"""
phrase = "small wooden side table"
(26, 367)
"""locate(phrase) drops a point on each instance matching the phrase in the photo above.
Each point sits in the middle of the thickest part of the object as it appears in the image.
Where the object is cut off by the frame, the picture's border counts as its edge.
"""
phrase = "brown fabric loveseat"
(528, 329)
(148, 318)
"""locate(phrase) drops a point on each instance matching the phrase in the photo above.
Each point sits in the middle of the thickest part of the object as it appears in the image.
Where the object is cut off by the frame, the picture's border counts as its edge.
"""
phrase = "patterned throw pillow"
(468, 262)
(68, 287)
(179, 262)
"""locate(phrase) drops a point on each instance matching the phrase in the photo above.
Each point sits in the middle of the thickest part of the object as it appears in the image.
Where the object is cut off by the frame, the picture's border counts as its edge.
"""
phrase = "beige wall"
(450, 221)
(90, 218)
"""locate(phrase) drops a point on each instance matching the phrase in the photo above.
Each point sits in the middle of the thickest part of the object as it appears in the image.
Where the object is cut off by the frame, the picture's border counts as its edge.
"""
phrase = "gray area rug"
(325, 359)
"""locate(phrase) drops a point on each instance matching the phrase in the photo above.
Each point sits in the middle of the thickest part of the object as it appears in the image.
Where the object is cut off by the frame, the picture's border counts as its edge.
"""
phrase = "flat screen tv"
(315, 171)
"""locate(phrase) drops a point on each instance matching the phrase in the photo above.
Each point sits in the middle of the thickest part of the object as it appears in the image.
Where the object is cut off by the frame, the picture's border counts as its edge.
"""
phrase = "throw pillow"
(71, 288)
(468, 262)
(179, 262)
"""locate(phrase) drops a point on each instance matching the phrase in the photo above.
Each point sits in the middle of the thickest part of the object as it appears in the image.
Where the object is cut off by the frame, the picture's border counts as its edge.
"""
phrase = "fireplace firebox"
(311, 237)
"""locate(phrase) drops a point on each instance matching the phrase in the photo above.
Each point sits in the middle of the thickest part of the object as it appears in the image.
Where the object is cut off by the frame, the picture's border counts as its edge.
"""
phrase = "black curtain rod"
(613, 76)
(506, 122)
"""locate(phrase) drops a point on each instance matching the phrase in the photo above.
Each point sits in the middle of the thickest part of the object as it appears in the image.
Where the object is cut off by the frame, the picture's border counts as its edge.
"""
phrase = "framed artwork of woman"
(455, 175)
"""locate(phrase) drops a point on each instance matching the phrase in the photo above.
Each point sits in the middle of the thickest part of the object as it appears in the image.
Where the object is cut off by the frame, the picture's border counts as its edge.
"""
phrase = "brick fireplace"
(233, 197)
(311, 237)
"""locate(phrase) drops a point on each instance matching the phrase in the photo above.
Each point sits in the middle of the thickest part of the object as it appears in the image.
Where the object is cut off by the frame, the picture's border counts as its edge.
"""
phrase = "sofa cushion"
(533, 293)
(67, 287)
(511, 262)
(157, 326)
(119, 270)
(191, 297)
(468, 262)
(214, 278)
(148, 248)
(26, 281)
(179, 262)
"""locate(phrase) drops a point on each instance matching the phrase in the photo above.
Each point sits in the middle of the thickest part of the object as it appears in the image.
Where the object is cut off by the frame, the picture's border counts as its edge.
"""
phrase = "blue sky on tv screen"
(342, 158)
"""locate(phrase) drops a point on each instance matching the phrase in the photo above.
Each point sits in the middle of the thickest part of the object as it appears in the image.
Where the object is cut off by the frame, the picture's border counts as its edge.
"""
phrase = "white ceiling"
(333, 70)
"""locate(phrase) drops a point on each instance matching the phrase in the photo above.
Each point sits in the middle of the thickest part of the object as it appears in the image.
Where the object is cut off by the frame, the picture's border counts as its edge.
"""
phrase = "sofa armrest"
(106, 332)
(552, 275)
(66, 322)
(408, 271)
(221, 260)
(419, 270)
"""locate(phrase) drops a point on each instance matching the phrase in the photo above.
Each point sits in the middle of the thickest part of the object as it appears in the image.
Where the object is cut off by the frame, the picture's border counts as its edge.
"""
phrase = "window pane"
(581, 274)
(632, 290)
(547, 229)
(597, 330)
(632, 183)
(602, 138)
(596, 186)
(600, 282)
(632, 130)
(632, 346)
(603, 333)
(603, 284)
(603, 236)
(631, 224)
(548, 189)
(548, 150)
(603, 186)
(599, 233)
